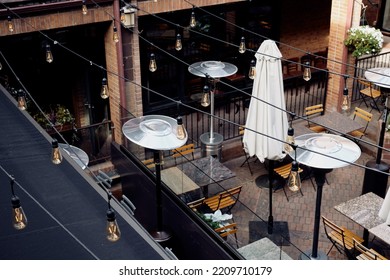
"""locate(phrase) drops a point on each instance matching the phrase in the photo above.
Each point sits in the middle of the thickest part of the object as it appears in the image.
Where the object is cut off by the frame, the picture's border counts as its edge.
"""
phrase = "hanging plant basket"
(364, 40)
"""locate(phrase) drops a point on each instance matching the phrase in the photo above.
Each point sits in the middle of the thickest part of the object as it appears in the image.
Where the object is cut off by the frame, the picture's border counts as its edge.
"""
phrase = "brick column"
(345, 13)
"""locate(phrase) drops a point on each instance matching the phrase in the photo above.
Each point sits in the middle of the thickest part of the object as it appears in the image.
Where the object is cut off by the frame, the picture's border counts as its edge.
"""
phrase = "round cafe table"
(77, 154)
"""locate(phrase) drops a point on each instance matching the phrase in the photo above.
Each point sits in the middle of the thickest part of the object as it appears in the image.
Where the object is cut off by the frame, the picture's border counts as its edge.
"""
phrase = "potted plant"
(364, 40)
(57, 116)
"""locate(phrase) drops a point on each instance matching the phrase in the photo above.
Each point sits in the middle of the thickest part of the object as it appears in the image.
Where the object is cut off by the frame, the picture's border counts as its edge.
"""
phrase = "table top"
(363, 210)
(381, 231)
(339, 122)
(263, 249)
(77, 154)
(206, 170)
(379, 76)
(177, 181)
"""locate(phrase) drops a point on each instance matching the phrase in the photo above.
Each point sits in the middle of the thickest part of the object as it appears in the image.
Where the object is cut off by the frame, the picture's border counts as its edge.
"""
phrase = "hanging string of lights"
(198, 110)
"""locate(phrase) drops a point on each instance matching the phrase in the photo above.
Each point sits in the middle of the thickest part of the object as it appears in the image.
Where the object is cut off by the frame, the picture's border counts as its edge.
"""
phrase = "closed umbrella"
(268, 118)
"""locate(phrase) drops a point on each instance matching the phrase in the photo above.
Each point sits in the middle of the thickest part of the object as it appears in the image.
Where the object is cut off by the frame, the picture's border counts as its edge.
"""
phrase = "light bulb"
(19, 217)
(192, 20)
(1, 66)
(289, 140)
(294, 180)
(152, 63)
(178, 44)
(22, 100)
(123, 17)
(56, 156)
(104, 92)
(10, 24)
(205, 101)
(115, 36)
(242, 47)
(49, 55)
(307, 72)
(180, 130)
(112, 228)
(252, 70)
(345, 103)
(84, 8)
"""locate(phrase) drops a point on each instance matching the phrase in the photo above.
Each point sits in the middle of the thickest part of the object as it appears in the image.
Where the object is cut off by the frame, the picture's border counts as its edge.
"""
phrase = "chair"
(224, 200)
(183, 150)
(284, 172)
(228, 229)
(365, 253)
(364, 115)
(194, 205)
(367, 90)
(314, 111)
(341, 238)
(241, 133)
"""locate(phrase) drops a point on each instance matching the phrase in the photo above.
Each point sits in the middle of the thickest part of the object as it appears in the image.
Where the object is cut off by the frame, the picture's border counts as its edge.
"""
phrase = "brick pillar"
(345, 14)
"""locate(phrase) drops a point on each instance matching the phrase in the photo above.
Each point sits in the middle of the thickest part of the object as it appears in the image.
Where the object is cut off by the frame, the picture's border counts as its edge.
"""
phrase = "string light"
(10, 24)
(104, 92)
(152, 63)
(307, 71)
(115, 36)
(19, 220)
(192, 19)
(180, 130)
(242, 47)
(345, 102)
(56, 156)
(84, 8)
(178, 44)
(294, 180)
(252, 70)
(205, 101)
(22, 105)
(113, 233)
(289, 141)
(49, 55)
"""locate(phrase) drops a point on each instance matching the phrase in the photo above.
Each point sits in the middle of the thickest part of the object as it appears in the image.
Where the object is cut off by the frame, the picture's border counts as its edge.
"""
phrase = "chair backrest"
(365, 253)
(184, 150)
(333, 231)
(149, 163)
(364, 83)
(367, 116)
(241, 130)
(196, 203)
(227, 229)
(315, 109)
(224, 200)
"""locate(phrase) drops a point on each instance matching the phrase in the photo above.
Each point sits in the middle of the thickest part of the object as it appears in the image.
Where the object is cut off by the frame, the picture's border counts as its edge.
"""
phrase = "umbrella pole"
(270, 178)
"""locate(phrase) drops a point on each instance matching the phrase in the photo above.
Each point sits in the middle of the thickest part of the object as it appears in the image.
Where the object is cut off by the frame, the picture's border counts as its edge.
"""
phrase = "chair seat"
(317, 128)
(368, 91)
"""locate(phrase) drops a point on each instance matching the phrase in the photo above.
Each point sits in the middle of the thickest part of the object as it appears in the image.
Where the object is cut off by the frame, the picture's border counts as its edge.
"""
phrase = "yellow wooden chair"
(312, 111)
(367, 90)
(183, 151)
(365, 253)
(364, 115)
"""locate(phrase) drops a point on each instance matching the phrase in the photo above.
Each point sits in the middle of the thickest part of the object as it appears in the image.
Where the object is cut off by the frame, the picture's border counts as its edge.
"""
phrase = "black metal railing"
(364, 63)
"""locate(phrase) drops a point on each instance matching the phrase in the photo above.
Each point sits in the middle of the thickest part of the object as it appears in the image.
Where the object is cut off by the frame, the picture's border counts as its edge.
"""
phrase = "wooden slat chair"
(149, 163)
(196, 204)
(225, 200)
(314, 111)
(365, 253)
(226, 230)
(367, 90)
(364, 115)
(183, 150)
(284, 172)
(341, 238)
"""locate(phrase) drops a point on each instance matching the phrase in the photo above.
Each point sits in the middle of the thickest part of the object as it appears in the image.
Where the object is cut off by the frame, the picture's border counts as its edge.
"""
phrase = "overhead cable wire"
(201, 111)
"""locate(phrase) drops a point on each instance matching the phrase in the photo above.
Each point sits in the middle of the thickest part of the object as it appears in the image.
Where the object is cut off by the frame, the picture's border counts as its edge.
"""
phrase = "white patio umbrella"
(266, 119)
(384, 212)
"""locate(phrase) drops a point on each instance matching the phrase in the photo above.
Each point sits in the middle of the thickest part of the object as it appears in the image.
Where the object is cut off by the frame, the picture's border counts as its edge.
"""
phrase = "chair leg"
(247, 162)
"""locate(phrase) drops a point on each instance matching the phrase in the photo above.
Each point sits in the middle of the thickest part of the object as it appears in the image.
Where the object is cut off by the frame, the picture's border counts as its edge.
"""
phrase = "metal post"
(212, 115)
(270, 190)
(158, 190)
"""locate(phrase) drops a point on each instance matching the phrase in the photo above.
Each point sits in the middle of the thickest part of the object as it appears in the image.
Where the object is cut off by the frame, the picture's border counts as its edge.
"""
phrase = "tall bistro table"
(323, 152)
(381, 78)
(211, 142)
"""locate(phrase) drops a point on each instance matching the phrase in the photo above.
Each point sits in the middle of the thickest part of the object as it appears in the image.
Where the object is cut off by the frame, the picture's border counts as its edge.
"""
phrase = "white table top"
(379, 76)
